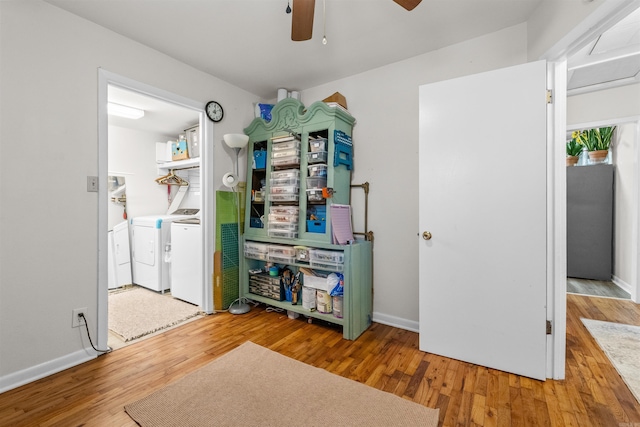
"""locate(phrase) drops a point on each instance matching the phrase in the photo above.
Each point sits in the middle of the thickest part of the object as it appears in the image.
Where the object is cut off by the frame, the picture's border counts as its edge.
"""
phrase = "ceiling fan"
(302, 19)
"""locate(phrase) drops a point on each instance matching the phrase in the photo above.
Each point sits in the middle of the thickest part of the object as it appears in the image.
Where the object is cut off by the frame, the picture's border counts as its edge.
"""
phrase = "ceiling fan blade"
(302, 20)
(408, 4)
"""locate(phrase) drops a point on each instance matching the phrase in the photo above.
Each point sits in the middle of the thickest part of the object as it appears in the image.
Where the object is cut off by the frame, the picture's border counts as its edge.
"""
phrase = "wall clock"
(214, 111)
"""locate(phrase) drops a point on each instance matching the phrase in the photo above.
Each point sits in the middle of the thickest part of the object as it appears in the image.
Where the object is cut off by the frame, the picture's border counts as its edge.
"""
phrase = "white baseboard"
(396, 322)
(25, 376)
(624, 286)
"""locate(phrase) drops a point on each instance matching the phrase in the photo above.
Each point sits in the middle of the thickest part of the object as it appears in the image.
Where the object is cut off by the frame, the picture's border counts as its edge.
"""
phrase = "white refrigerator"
(186, 261)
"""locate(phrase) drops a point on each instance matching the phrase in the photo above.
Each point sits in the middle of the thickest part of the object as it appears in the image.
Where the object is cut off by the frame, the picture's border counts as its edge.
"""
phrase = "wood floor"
(597, 288)
(593, 394)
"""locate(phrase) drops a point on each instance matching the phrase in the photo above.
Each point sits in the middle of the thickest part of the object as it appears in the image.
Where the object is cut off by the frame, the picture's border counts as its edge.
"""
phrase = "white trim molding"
(50, 367)
(396, 322)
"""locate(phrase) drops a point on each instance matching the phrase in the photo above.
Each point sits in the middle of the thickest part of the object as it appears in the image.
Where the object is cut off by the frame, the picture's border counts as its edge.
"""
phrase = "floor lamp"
(237, 142)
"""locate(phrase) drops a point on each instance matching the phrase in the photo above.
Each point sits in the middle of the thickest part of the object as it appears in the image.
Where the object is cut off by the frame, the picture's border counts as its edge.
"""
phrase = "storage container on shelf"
(276, 225)
(257, 195)
(278, 182)
(286, 173)
(319, 157)
(302, 253)
(286, 161)
(283, 218)
(317, 170)
(316, 182)
(282, 259)
(285, 189)
(326, 265)
(282, 250)
(318, 144)
(321, 255)
(283, 198)
(266, 286)
(316, 282)
(285, 153)
(282, 234)
(314, 195)
(287, 145)
(316, 226)
(284, 210)
(256, 247)
(256, 255)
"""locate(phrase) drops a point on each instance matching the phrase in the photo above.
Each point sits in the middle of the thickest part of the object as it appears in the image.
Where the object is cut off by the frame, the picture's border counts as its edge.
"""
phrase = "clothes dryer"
(151, 248)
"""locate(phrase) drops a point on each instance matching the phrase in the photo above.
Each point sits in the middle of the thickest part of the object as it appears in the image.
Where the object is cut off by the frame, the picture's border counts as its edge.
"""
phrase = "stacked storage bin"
(266, 285)
(284, 187)
(316, 181)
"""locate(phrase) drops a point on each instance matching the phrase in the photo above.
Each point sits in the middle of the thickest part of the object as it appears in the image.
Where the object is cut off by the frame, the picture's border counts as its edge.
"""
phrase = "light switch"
(92, 184)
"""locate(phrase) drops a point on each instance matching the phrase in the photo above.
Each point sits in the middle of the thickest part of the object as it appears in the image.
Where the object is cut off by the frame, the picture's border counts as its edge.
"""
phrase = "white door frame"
(610, 12)
(207, 220)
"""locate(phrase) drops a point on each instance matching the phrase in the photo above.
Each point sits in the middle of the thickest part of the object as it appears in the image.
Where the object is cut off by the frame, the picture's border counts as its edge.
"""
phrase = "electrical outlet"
(76, 320)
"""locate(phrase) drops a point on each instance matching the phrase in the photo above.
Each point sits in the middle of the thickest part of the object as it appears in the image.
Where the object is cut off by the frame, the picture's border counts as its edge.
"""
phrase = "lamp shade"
(236, 140)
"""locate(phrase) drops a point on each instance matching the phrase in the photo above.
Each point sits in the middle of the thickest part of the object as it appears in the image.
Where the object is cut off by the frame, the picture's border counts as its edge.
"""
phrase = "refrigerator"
(590, 192)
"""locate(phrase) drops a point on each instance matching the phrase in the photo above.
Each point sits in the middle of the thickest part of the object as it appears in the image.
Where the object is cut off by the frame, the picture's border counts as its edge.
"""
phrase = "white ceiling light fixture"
(124, 111)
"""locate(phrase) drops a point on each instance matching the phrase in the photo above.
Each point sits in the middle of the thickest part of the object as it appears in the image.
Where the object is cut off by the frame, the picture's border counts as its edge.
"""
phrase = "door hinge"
(549, 96)
(548, 327)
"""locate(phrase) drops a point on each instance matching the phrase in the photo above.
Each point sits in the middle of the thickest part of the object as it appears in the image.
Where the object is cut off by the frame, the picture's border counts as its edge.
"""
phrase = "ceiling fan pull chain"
(324, 21)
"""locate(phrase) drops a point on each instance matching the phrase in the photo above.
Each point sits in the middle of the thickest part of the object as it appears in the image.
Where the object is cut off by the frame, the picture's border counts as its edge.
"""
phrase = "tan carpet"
(254, 386)
(621, 344)
(137, 312)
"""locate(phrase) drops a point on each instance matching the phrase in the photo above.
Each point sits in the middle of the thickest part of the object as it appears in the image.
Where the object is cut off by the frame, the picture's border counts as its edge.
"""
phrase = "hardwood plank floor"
(593, 394)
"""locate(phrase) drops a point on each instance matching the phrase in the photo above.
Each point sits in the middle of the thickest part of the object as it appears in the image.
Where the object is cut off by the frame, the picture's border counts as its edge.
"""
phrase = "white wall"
(132, 154)
(554, 20)
(601, 105)
(384, 102)
(48, 131)
(625, 159)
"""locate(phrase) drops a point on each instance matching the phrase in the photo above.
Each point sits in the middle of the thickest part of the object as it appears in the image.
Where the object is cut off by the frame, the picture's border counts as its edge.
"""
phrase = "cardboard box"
(337, 98)
(179, 150)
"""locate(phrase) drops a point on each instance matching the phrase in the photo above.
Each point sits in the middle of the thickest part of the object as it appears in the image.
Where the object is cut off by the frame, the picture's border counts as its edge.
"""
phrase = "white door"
(482, 180)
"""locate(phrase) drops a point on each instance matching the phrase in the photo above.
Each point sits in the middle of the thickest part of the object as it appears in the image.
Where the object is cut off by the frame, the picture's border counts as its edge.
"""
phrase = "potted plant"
(597, 141)
(574, 148)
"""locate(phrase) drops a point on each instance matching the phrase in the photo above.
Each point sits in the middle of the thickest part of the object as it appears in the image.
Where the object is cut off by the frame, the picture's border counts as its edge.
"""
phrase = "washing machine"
(151, 248)
(186, 260)
(119, 256)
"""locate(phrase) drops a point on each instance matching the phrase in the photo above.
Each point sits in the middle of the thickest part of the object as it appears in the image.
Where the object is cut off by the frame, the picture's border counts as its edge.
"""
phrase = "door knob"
(426, 235)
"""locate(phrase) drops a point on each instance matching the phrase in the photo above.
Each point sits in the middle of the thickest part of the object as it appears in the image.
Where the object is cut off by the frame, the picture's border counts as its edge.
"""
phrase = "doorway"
(139, 147)
(609, 59)
(110, 82)
(624, 208)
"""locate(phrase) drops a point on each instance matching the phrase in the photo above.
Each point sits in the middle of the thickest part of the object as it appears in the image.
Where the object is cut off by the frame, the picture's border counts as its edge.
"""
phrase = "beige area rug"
(136, 312)
(254, 386)
(621, 344)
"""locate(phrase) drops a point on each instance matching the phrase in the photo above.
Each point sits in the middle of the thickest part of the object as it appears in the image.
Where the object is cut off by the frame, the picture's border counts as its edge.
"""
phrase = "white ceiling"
(159, 116)
(613, 59)
(248, 42)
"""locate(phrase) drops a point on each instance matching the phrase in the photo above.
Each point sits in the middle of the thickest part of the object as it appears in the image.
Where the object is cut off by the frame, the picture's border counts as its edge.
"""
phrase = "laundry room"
(154, 208)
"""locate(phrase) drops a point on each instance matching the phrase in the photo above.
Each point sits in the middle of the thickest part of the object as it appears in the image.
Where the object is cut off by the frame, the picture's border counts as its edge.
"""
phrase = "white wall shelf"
(164, 168)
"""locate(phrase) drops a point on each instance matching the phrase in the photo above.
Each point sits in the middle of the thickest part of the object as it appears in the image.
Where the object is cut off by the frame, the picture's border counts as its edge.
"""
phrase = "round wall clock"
(214, 111)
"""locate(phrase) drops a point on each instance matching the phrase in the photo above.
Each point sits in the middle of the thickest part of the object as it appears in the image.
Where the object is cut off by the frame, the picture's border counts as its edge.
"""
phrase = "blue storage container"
(316, 226)
(260, 159)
